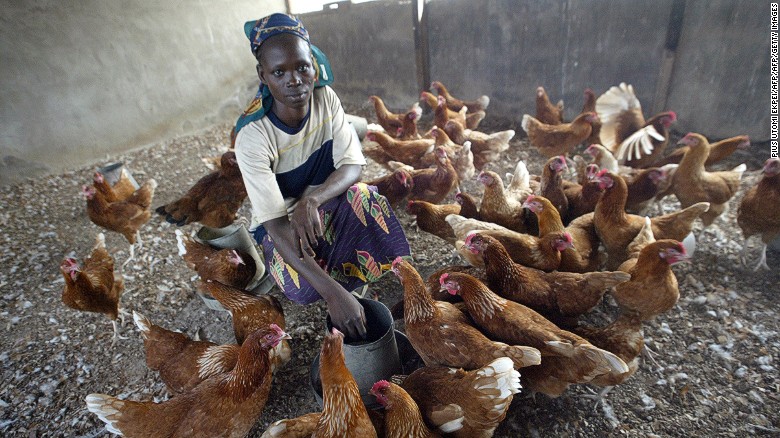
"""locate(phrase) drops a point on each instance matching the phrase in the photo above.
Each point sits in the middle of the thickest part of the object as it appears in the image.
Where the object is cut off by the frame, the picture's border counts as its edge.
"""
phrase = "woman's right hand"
(347, 315)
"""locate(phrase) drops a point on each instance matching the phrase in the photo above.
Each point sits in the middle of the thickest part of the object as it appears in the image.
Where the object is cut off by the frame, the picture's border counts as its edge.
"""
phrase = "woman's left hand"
(306, 225)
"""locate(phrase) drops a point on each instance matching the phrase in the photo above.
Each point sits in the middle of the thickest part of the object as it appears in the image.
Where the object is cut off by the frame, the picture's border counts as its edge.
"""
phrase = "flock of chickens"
(535, 249)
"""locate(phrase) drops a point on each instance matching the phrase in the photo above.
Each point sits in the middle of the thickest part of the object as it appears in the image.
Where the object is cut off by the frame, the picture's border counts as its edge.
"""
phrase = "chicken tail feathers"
(107, 408)
(521, 179)
(142, 323)
(522, 356)
(642, 239)
(483, 101)
(526, 122)
(180, 242)
(604, 361)
(449, 418)
(495, 384)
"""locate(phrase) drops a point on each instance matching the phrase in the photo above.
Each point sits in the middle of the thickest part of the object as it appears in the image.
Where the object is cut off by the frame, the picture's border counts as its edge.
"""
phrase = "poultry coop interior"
(162, 99)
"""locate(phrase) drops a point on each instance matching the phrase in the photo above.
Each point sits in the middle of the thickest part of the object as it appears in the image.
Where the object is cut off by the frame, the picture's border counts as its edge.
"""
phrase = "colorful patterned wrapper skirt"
(362, 238)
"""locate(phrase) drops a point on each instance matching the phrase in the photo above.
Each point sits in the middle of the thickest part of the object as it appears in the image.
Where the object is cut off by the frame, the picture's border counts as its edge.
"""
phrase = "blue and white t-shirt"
(280, 164)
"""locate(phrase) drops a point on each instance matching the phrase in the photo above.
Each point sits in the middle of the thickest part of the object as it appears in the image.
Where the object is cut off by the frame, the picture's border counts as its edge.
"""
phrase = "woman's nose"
(294, 81)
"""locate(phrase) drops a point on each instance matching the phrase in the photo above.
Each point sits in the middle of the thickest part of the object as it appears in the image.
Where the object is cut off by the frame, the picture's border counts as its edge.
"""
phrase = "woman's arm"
(305, 220)
(345, 311)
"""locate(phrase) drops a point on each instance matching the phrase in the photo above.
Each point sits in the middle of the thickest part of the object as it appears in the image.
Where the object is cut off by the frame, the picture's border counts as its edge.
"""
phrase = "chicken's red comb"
(469, 237)
(530, 198)
(380, 385)
(602, 172)
(443, 278)
(335, 332)
(567, 236)
(397, 261)
(673, 115)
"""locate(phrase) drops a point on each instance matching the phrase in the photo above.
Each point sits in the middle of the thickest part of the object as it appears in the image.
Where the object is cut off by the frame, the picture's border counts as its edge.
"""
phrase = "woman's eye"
(278, 73)
(303, 68)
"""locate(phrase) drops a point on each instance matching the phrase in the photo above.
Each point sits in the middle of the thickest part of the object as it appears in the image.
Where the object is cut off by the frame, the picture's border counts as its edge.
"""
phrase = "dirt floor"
(716, 351)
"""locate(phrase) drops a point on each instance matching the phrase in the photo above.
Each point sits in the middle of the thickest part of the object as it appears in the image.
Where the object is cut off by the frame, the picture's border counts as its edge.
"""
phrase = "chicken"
(500, 206)
(228, 266)
(456, 104)
(464, 404)
(567, 357)
(543, 253)
(462, 226)
(120, 191)
(589, 106)
(554, 295)
(552, 185)
(582, 198)
(461, 156)
(652, 289)
(552, 140)
(547, 215)
(468, 205)
(634, 141)
(225, 405)
(718, 151)
(249, 314)
(754, 216)
(411, 152)
(95, 287)
(546, 112)
(691, 183)
(408, 129)
(389, 121)
(624, 338)
(395, 186)
(430, 218)
(440, 111)
(644, 186)
(603, 158)
(182, 362)
(486, 147)
(343, 412)
(124, 217)
(433, 185)
(616, 228)
(300, 427)
(443, 335)
(213, 201)
(584, 256)
(402, 416)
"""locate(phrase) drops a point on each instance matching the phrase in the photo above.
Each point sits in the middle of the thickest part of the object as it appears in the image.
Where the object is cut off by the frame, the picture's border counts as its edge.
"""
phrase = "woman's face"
(285, 66)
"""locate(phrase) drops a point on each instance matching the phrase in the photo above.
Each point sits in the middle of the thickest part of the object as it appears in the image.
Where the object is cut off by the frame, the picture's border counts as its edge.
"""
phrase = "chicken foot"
(600, 397)
(116, 334)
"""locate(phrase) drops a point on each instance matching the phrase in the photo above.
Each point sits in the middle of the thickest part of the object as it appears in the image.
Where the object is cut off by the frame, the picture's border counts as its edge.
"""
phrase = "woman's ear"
(260, 72)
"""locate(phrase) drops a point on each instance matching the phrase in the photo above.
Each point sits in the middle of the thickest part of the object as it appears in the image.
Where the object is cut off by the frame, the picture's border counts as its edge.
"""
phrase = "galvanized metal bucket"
(112, 172)
(369, 360)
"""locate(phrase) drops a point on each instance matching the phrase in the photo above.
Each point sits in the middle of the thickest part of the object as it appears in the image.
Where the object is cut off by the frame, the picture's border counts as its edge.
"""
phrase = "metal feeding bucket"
(378, 357)
(235, 236)
(112, 172)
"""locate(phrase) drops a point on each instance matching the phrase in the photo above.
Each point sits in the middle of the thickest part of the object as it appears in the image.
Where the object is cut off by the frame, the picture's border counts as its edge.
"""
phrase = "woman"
(322, 234)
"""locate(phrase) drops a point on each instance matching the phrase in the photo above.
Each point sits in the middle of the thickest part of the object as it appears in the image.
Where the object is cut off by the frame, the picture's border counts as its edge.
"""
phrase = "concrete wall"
(83, 79)
(371, 49)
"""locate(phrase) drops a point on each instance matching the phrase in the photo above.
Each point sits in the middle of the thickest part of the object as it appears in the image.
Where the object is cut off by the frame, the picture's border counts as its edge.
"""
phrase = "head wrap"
(258, 32)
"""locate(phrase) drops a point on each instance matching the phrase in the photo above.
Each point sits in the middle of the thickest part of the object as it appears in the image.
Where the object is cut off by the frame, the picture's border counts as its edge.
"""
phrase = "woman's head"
(284, 61)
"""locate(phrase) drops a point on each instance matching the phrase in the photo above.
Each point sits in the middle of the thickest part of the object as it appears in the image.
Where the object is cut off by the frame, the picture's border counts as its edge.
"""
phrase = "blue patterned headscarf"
(258, 32)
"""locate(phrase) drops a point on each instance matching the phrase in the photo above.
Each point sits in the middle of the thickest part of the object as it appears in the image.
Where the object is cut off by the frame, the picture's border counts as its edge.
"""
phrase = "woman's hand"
(306, 226)
(347, 315)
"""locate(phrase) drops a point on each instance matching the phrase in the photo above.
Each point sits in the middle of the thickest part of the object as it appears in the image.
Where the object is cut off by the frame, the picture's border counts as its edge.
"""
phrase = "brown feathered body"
(589, 106)
(464, 404)
(389, 121)
(718, 151)
(411, 152)
(343, 413)
(455, 104)
(546, 112)
(486, 147)
(500, 206)
(754, 216)
(430, 218)
(395, 186)
(433, 185)
(224, 405)
(443, 335)
(551, 185)
(120, 191)
(299, 427)
(232, 267)
(250, 313)
(552, 140)
(643, 187)
(93, 287)
(124, 217)
(469, 205)
(554, 294)
(565, 355)
(624, 338)
(616, 228)
(402, 417)
(213, 200)
(585, 256)
(182, 362)
(691, 183)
